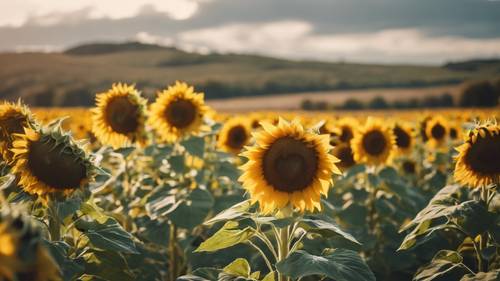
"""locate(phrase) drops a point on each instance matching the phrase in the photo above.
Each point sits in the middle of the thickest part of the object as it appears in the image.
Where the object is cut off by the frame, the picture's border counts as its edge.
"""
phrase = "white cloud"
(296, 39)
(19, 12)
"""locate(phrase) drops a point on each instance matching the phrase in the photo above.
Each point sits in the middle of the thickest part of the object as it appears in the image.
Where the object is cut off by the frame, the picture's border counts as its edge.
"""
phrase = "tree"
(479, 94)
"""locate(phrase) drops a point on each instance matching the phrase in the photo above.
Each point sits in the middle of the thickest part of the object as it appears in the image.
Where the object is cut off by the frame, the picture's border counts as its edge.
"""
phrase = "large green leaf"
(339, 264)
(195, 146)
(239, 267)
(238, 210)
(446, 265)
(193, 210)
(229, 235)
(228, 169)
(483, 276)
(324, 226)
(108, 236)
(71, 268)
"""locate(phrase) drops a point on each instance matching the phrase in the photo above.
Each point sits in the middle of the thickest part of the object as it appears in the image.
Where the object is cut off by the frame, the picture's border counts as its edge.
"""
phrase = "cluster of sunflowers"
(174, 191)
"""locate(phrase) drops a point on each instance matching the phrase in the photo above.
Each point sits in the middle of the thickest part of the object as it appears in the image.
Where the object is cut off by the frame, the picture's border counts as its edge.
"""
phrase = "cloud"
(49, 12)
(296, 39)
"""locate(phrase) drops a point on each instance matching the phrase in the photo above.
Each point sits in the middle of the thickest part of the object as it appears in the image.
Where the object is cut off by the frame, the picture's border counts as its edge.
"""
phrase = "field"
(73, 77)
(293, 101)
(171, 189)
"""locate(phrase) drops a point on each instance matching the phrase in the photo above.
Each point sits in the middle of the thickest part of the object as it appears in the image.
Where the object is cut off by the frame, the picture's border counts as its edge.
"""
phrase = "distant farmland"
(72, 78)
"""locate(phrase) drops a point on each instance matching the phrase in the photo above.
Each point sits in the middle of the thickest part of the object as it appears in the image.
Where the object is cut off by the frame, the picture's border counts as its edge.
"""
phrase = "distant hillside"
(106, 48)
(73, 77)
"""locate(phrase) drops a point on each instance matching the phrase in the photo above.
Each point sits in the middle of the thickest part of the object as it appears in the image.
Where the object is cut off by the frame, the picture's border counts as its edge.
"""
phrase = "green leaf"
(269, 277)
(195, 146)
(68, 207)
(227, 169)
(238, 210)
(125, 151)
(71, 268)
(446, 265)
(339, 264)
(108, 236)
(324, 226)
(108, 266)
(92, 210)
(191, 278)
(177, 163)
(239, 267)
(483, 276)
(229, 235)
(6, 181)
(193, 210)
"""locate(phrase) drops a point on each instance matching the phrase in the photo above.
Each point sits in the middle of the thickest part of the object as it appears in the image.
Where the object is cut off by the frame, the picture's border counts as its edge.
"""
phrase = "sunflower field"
(172, 190)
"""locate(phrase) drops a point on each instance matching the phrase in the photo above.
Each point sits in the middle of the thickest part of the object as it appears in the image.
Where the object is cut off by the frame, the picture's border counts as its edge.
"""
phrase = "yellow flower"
(13, 118)
(344, 153)
(119, 116)
(50, 162)
(178, 111)
(436, 131)
(288, 166)
(234, 135)
(346, 129)
(374, 143)
(478, 159)
(404, 138)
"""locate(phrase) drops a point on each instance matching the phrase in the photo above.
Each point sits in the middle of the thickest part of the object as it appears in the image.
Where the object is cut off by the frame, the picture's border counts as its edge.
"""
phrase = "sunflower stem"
(284, 248)
(54, 221)
(483, 238)
(172, 252)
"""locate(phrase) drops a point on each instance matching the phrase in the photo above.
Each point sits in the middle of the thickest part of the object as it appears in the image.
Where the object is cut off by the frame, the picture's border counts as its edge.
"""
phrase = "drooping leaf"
(195, 146)
(231, 213)
(229, 235)
(324, 226)
(339, 264)
(193, 210)
(446, 265)
(108, 235)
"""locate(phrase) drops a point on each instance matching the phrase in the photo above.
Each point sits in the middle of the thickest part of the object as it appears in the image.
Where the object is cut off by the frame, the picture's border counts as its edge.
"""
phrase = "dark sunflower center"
(402, 138)
(180, 113)
(290, 165)
(346, 134)
(237, 137)
(12, 125)
(438, 131)
(122, 115)
(255, 124)
(53, 165)
(346, 156)
(484, 155)
(374, 142)
(409, 167)
(453, 133)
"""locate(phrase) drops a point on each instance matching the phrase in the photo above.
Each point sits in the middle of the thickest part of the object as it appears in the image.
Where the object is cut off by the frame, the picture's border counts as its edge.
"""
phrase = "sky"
(368, 31)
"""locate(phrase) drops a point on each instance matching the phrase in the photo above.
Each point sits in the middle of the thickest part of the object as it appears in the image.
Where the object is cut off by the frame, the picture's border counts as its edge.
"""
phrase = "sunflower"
(49, 161)
(14, 117)
(455, 131)
(177, 112)
(404, 138)
(478, 159)
(288, 166)
(119, 116)
(346, 129)
(343, 152)
(409, 167)
(22, 255)
(234, 135)
(436, 131)
(374, 143)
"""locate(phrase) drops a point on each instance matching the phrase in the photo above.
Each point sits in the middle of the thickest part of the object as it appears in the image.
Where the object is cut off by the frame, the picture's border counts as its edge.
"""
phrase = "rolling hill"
(72, 78)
